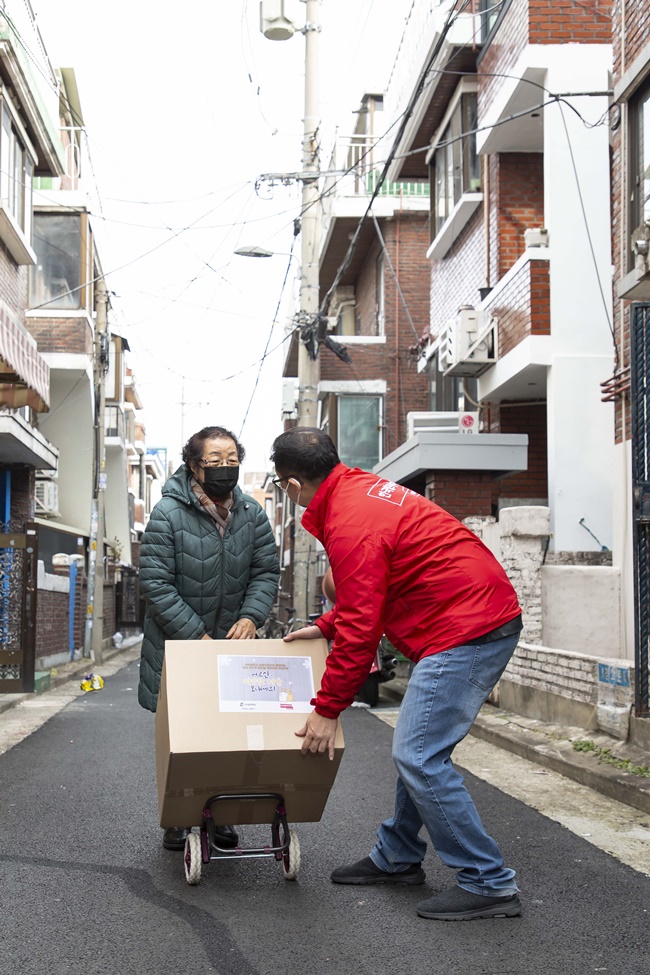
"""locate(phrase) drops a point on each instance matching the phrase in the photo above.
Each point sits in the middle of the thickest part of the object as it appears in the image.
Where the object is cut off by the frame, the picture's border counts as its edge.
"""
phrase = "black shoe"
(365, 872)
(225, 836)
(174, 838)
(461, 905)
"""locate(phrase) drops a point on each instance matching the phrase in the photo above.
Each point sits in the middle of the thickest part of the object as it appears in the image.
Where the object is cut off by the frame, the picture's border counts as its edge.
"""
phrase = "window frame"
(639, 142)
(380, 399)
(83, 289)
(454, 163)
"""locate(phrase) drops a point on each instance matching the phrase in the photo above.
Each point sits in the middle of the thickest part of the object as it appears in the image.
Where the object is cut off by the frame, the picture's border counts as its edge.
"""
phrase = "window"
(454, 166)
(640, 161)
(60, 272)
(489, 11)
(359, 430)
(380, 317)
(16, 171)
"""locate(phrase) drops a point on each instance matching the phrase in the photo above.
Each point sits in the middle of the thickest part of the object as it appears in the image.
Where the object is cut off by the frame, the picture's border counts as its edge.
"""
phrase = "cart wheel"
(192, 858)
(291, 857)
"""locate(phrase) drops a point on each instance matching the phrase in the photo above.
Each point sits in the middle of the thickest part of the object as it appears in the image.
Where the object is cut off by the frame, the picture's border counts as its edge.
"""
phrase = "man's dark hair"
(305, 452)
(193, 449)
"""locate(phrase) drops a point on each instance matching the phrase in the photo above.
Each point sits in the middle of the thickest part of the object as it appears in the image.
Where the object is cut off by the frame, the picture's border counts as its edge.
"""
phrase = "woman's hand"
(307, 633)
(242, 630)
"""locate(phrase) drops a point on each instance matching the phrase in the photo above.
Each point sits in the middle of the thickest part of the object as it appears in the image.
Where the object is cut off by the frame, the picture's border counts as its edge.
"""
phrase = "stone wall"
(582, 682)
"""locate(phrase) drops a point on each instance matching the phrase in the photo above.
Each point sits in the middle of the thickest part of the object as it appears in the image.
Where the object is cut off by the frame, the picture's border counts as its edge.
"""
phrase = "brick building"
(626, 387)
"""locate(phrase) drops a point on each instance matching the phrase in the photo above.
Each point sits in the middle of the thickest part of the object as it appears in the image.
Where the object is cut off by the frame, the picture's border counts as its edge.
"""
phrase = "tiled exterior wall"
(501, 54)
(456, 278)
(13, 284)
(560, 672)
(73, 335)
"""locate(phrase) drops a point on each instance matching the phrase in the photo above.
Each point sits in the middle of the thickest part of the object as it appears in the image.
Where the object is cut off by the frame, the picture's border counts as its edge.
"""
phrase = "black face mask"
(218, 482)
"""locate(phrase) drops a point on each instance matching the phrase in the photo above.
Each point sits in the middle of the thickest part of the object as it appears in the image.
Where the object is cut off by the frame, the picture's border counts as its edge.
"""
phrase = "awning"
(24, 373)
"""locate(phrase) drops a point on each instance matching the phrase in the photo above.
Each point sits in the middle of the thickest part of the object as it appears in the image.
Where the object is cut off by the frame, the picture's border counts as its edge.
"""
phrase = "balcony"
(28, 71)
(521, 304)
(21, 443)
(119, 427)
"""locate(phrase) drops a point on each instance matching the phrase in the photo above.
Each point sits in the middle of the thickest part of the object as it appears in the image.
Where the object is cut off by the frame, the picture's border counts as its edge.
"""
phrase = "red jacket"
(404, 567)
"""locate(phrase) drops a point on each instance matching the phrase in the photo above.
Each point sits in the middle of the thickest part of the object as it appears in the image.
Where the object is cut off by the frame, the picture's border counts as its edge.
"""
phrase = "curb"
(552, 747)
(81, 667)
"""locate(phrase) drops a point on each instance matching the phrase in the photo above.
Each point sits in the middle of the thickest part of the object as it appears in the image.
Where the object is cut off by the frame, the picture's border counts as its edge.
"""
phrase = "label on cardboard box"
(265, 684)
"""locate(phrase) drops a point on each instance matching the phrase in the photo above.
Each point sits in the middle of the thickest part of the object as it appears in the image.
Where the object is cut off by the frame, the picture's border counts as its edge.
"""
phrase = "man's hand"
(242, 630)
(319, 734)
(307, 633)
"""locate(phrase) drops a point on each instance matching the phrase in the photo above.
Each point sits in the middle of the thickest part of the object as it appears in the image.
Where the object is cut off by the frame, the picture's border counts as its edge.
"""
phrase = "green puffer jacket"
(196, 582)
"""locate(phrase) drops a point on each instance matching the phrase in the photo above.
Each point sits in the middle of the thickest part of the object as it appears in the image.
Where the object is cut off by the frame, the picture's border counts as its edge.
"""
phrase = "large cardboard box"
(226, 720)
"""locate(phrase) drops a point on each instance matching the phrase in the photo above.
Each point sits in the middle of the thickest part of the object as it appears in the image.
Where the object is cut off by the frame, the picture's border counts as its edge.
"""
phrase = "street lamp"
(253, 251)
(275, 24)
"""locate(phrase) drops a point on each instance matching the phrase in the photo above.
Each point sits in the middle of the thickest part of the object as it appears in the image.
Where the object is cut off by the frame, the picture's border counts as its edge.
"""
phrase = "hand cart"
(201, 848)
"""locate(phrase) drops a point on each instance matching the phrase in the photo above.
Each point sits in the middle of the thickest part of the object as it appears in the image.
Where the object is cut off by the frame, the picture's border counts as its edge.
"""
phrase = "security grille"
(640, 393)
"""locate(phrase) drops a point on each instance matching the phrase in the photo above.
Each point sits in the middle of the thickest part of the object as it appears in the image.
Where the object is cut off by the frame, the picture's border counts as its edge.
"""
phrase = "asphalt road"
(86, 888)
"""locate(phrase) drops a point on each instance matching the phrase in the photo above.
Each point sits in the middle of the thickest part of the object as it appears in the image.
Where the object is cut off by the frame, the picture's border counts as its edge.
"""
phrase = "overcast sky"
(185, 106)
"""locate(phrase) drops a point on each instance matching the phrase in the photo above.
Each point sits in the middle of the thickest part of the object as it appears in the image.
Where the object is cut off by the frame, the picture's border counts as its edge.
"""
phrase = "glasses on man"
(280, 481)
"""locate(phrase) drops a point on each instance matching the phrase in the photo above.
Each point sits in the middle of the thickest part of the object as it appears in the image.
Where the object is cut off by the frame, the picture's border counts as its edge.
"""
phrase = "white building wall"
(578, 219)
(69, 426)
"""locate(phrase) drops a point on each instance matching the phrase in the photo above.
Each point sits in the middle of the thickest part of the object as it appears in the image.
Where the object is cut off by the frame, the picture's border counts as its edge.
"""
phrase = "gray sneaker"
(458, 904)
(365, 872)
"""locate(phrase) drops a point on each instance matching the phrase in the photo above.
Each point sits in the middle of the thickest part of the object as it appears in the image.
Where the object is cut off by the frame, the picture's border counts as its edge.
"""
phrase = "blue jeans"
(444, 695)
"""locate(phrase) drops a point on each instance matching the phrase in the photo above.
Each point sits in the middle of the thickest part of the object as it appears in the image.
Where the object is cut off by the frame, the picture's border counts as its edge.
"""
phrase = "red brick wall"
(517, 195)
(456, 278)
(636, 31)
(393, 360)
(52, 614)
(461, 493)
(570, 21)
(523, 306)
(529, 419)
(72, 335)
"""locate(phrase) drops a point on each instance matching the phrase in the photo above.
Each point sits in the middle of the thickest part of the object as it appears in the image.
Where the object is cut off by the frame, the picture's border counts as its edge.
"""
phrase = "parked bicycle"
(276, 629)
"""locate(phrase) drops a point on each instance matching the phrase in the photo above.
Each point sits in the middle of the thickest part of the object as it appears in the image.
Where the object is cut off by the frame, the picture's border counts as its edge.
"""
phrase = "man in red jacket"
(405, 567)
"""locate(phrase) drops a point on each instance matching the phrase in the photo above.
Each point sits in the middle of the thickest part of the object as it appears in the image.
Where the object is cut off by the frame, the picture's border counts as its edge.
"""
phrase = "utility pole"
(278, 27)
(308, 367)
(93, 634)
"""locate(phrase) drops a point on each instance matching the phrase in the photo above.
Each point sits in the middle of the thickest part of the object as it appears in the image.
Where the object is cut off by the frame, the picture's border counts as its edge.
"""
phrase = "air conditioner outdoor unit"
(47, 498)
(431, 423)
(468, 343)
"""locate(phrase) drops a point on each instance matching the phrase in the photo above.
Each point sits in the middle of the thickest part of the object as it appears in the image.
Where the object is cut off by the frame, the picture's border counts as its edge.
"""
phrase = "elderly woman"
(208, 565)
